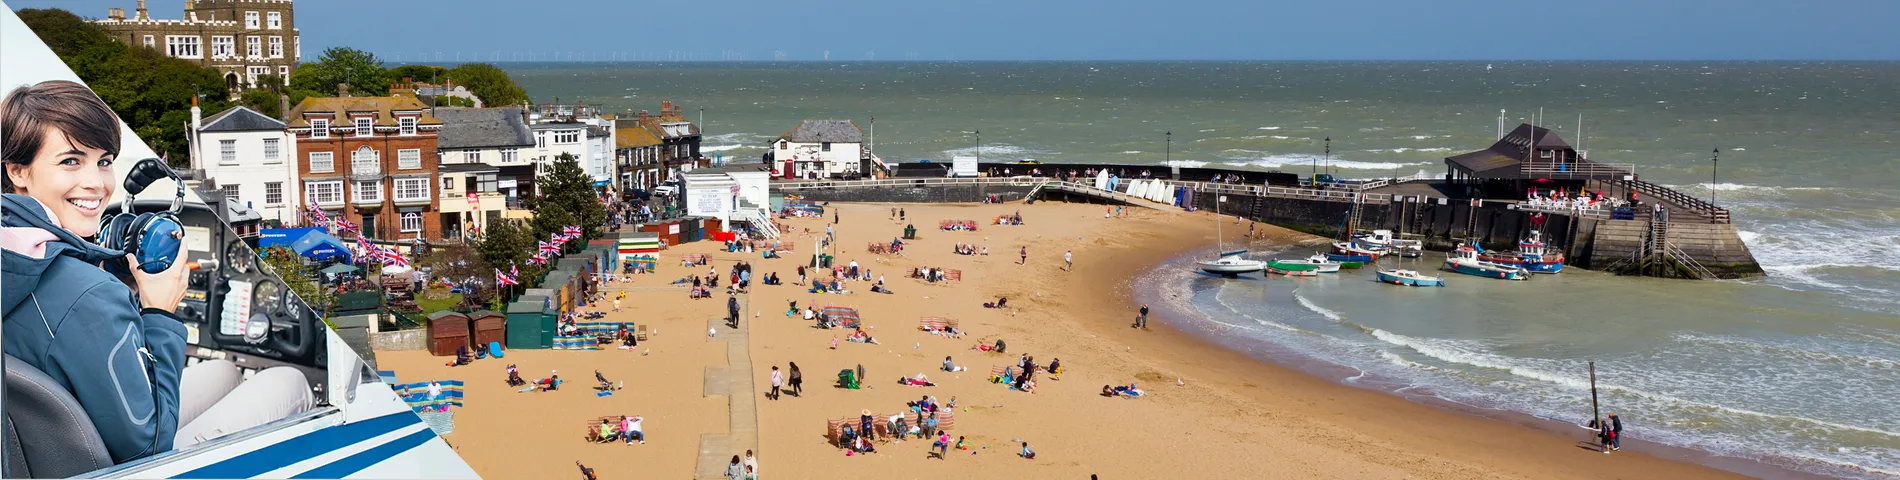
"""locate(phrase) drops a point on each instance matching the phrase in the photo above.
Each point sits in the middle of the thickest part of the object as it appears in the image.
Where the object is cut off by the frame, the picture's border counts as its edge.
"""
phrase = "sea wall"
(900, 194)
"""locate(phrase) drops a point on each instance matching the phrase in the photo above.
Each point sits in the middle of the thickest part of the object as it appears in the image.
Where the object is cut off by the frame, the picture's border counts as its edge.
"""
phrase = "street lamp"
(1329, 154)
(1714, 162)
(1167, 150)
(979, 145)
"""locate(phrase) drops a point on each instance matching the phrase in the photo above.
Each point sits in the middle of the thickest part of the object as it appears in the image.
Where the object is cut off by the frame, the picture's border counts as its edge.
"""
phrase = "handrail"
(1590, 212)
(1696, 205)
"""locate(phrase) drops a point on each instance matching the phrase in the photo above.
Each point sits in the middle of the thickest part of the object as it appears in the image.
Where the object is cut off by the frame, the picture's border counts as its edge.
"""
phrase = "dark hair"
(68, 107)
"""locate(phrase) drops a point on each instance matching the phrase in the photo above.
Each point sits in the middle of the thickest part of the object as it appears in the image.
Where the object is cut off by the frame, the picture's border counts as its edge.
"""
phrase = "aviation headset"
(155, 239)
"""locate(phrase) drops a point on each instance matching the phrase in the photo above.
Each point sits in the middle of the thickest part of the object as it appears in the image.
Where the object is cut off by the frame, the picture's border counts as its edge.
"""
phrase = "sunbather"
(604, 384)
(514, 377)
(461, 357)
(586, 473)
(1027, 453)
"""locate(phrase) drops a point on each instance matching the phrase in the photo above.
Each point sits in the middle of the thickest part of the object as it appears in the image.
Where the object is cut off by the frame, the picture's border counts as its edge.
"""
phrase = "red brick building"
(372, 160)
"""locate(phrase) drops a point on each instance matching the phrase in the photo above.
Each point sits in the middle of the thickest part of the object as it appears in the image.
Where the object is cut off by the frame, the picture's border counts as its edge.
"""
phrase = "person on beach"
(732, 310)
(865, 424)
(798, 381)
(900, 214)
(1616, 432)
(893, 212)
(631, 429)
(778, 380)
(1027, 454)
(1025, 256)
(1141, 321)
(734, 470)
(1605, 435)
(1068, 260)
(751, 464)
(942, 445)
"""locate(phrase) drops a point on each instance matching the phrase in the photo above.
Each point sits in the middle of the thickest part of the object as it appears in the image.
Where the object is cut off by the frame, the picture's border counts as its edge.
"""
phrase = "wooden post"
(1593, 392)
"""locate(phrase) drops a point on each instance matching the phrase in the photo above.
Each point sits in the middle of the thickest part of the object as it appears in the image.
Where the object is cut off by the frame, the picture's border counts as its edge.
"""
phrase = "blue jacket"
(82, 326)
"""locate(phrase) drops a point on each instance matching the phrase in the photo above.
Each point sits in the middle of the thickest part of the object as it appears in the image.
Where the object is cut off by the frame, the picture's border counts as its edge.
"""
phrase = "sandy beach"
(1208, 413)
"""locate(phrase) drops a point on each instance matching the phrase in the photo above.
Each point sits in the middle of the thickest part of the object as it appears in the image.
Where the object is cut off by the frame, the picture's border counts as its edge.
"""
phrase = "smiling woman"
(59, 144)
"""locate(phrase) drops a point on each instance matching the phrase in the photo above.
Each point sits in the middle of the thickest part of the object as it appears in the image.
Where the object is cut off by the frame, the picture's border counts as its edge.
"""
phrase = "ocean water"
(1800, 368)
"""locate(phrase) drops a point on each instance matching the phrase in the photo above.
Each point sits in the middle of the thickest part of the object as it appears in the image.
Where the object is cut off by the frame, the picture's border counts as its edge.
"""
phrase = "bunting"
(503, 279)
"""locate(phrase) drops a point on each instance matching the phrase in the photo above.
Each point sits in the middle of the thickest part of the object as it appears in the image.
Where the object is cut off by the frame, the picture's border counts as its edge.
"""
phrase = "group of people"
(797, 385)
(971, 249)
(627, 428)
(930, 274)
(958, 226)
(1021, 377)
(1016, 219)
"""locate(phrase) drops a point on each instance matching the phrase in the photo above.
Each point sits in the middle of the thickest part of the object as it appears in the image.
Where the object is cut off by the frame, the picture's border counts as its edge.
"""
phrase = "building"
(822, 149)
(372, 160)
(679, 138)
(247, 154)
(578, 130)
(243, 40)
(1526, 157)
(731, 193)
(481, 165)
(637, 152)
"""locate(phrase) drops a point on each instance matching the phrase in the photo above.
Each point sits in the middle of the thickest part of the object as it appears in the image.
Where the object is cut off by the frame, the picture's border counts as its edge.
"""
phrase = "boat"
(1531, 254)
(1277, 270)
(1316, 263)
(1465, 260)
(1384, 239)
(1322, 258)
(1230, 264)
(1353, 252)
(1409, 278)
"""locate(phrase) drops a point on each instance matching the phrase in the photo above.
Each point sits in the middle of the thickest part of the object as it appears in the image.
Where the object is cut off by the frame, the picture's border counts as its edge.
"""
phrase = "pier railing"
(1591, 212)
(1577, 170)
(1696, 205)
(1337, 195)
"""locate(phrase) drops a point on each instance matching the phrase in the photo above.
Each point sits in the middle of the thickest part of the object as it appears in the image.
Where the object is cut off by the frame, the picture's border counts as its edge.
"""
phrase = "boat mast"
(1220, 241)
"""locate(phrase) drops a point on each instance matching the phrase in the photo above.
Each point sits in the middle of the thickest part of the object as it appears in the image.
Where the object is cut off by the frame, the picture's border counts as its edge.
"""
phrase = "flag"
(344, 224)
(391, 258)
(537, 259)
(513, 272)
(317, 213)
(363, 242)
(504, 280)
(547, 248)
(572, 230)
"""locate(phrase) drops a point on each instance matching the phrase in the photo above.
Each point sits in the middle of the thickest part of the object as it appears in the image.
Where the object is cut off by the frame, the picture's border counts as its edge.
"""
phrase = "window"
(408, 125)
(254, 46)
(322, 162)
(486, 183)
(369, 191)
(150, 42)
(782, 145)
(540, 140)
(230, 192)
(1545, 154)
(571, 136)
(284, 73)
(184, 46)
(276, 20)
(364, 126)
(227, 152)
(298, 42)
(448, 185)
(273, 193)
(364, 161)
(471, 156)
(276, 47)
(255, 73)
(412, 189)
(510, 155)
(270, 151)
(224, 46)
(324, 193)
(827, 147)
(411, 222)
(319, 128)
(409, 159)
(250, 20)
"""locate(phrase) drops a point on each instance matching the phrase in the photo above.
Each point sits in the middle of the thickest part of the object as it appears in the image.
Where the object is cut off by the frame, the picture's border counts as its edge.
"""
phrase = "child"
(942, 445)
(1027, 453)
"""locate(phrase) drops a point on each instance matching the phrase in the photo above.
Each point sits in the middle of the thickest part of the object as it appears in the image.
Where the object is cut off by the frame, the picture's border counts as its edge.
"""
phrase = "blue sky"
(1088, 29)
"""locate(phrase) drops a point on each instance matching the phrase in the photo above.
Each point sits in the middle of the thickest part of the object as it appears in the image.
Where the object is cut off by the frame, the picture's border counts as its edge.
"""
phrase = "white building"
(482, 153)
(731, 193)
(821, 149)
(245, 153)
(575, 130)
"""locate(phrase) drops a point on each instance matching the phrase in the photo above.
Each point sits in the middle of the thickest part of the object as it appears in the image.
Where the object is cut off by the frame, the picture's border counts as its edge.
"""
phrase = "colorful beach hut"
(642, 250)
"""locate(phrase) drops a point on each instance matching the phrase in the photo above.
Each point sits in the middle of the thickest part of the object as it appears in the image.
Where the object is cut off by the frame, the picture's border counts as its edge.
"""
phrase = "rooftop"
(823, 131)
(241, 119)
(342, 107)
(482, 127)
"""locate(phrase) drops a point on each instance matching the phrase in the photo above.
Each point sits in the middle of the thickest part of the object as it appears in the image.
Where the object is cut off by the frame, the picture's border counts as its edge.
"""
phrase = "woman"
(798, 381)
(114, 343)
(733, 470)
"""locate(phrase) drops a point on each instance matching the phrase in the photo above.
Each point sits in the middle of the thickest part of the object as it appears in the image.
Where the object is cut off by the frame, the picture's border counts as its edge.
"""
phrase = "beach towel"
(603, 394)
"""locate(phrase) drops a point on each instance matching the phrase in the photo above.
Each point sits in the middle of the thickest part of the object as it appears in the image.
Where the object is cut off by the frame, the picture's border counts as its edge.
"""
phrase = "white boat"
(1384, 238)
(1409, 278)
(1465, 260)
(1316, 264)
(1232, 264)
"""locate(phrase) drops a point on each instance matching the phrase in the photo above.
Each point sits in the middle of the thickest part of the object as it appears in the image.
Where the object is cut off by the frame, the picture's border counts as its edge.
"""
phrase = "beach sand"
(1234, 417)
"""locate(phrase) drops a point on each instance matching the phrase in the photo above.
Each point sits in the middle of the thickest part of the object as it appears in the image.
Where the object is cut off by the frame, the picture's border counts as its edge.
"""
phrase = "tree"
(149, 91)
(420, 73)
(489, 83)
(457, 262)
(361, 70)
(289, 267)
(505, 244)
(263, 101)
(567, 198)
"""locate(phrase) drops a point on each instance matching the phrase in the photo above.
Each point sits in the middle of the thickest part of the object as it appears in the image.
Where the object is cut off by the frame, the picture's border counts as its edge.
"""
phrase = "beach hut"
(489, 327)
(639, 250)
(524, 326)
(448, 332)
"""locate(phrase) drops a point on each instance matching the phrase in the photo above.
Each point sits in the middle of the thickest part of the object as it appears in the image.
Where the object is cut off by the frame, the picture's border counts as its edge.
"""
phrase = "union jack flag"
(363, 243)
(346, 225)
(513, 272)
(548, 248)
(317, 213)
(504, 280)
(390, 257)
(538, 259)
(571, 231)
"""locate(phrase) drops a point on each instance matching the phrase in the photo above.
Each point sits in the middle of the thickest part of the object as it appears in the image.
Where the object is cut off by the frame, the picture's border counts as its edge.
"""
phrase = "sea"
(1799, 369)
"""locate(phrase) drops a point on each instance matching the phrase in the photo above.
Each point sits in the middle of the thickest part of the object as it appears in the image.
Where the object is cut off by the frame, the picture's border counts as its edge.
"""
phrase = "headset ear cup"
(112, 235)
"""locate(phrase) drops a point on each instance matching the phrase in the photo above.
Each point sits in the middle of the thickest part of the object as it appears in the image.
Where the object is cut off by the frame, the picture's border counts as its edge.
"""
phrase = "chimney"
(116, 13)
(283, 107)
(643, 116)
(141, 11)
(343, 90)
(666, 106)
(197, 124)
(190, 14)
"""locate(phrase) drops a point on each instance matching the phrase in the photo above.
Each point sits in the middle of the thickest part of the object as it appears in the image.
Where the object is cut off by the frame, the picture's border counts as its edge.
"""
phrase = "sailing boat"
(1352, 250)
(1230, 264)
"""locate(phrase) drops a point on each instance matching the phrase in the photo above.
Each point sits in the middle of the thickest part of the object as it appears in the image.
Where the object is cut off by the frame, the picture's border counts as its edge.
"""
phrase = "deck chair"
(848, 379)
(640, 332)
(930, 323)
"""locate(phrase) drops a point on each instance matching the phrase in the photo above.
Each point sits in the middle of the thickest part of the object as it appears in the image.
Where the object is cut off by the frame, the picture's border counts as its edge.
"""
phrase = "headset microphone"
(155, 239)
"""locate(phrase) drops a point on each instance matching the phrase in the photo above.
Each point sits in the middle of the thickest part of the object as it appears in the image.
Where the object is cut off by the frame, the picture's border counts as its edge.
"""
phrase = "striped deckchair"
(578, 342)
(935, 323)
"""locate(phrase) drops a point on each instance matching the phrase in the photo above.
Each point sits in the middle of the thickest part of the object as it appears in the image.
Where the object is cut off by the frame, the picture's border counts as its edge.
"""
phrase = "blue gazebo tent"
(282, 237)
(321, 246)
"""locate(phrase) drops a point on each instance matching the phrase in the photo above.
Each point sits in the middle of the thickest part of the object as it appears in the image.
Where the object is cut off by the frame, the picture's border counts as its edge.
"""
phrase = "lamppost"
(1167, 150)
(1714, 162)
(1329, 154)
(979, 145)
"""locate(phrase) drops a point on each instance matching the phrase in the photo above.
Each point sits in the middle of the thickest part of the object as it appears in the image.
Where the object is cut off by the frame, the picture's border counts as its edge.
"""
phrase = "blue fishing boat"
(1532, 255)
(1409, 278)
(1353, 252)
(1465, 260)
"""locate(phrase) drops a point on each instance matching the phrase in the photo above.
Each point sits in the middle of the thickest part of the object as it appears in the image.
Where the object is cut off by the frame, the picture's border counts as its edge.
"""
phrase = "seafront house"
(637, 154)
(577, 130)
(372, 160)
(247, 156)
(243, 40)
(822, 149)
(679, 139)
(481, 156)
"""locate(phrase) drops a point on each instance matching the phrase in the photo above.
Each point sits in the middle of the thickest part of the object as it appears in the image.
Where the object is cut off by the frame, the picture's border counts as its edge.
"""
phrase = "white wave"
(1409, 149)
(1259, 159)
(1803, 354)
(1132, 152)
(1269, 128)
(722, 148)
(988, 150)
(1274, 137)
(1205, 130)
(1447, 351)
(1747, 236)
(1185, 163)
(1401, 361)
(1316, 308)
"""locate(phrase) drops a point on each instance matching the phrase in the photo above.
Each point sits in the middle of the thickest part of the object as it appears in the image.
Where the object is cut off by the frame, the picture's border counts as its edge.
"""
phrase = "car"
(667, 189)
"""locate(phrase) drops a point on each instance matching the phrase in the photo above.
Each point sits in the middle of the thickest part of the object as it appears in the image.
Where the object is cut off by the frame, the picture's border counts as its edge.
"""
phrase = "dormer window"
(319, 128)
(783, 145)
(364, 126)
(408, 125)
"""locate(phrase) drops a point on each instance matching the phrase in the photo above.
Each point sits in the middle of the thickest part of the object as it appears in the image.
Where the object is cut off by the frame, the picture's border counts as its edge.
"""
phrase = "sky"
(803, 30)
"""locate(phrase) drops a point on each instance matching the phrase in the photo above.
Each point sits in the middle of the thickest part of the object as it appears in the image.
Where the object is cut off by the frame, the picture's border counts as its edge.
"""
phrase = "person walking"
(751, 464)
(732, 310)
(1068, 260)
(617, 301)
(1025, 256)
(734, 470)
(1616, 432)
(778, 380)
(798, 382)
(1604, 436)
(900, 214)
(1141, 321)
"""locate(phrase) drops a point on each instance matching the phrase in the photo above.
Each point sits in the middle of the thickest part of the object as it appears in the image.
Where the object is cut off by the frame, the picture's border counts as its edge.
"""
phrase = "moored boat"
(1384, 239)
(1230, 264)
(1275, 270)
(1317, 265)
(1409, 278)
(1532, 255)
(1465, 260)
(1353, 252)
